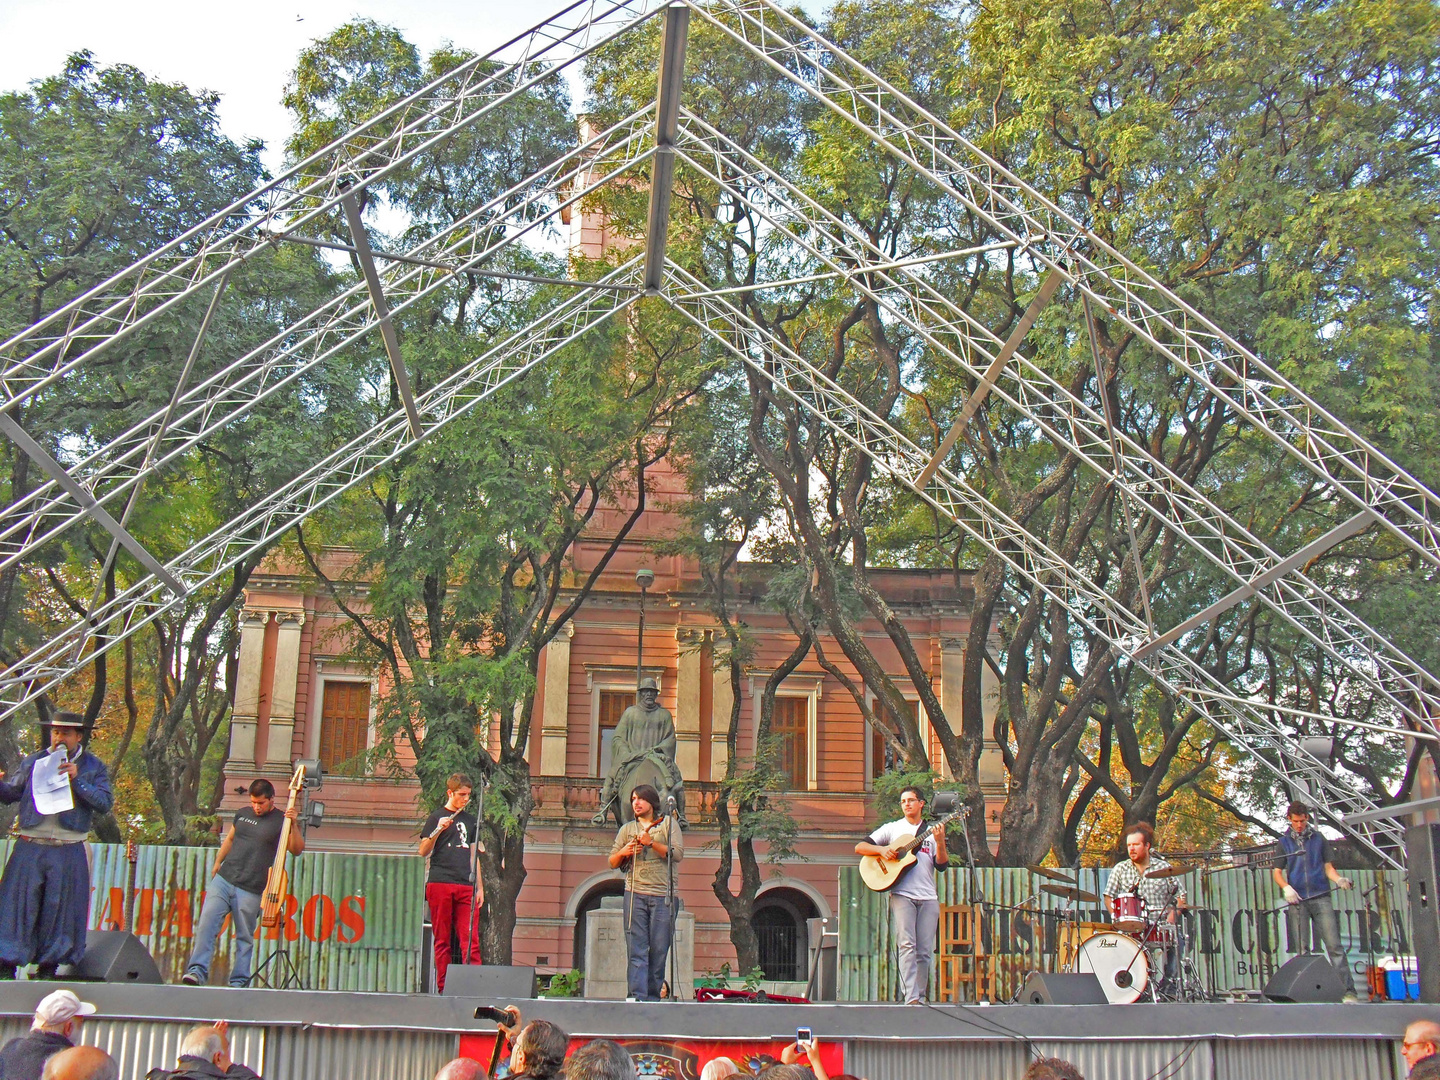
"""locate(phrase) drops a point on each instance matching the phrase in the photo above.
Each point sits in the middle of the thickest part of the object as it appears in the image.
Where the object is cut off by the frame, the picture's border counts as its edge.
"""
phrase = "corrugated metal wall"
(1308, 1059)
(141, 1045)
(305, 1053)
(1135, 1059)
(353, 922)
(1172, 1059)
(902, 1059)
(1237, 929)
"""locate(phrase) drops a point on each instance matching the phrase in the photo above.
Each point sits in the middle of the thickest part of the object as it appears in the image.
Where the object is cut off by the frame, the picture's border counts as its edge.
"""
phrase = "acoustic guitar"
(881, 874)
(277, 882)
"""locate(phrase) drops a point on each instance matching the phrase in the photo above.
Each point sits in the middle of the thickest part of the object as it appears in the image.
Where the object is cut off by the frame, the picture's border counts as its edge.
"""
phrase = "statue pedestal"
(605, 957)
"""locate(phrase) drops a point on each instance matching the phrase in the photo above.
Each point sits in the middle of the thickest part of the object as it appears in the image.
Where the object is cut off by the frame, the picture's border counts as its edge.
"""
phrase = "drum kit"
(1131, 954)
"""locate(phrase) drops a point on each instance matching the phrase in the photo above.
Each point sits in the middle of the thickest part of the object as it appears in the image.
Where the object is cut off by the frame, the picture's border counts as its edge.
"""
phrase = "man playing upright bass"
(242, 866)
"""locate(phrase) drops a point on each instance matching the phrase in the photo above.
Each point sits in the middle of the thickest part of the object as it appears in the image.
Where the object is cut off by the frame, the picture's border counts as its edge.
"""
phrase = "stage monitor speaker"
(117, 957)
(1422, 877)
(1062, 988)
(1307, 979)
(489, 981)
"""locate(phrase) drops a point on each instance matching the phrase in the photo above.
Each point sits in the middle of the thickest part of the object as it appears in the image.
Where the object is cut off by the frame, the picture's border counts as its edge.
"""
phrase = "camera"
(804, 1037)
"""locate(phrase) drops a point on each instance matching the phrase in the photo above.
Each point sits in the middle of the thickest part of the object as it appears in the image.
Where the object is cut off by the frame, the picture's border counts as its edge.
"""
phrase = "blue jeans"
(221, 899)
(1319, 911)
(649, 925)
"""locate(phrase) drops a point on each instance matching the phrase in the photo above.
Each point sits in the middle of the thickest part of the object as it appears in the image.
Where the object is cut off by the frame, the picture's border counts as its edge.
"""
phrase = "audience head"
(786, 1072)
(81, 1063)
(602, 1059)
(1422, 1040)
(208, 1043)
(718, 1069)
(60, 1013)
(540, 1050)
(1428, 1069)
(1052, 1069)
(462, 1069)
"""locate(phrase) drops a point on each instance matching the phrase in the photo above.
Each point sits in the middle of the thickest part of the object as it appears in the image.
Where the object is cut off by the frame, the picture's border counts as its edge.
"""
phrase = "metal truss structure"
(192, 272)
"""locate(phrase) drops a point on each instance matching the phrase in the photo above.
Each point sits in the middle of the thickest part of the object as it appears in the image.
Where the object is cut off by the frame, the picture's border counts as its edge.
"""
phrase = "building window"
(613, 704)
(790, 727)
(344, 725)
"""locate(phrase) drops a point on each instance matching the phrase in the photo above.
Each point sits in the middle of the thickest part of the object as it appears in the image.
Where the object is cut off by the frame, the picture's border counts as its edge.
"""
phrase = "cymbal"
(1053, 875)
(1070, 893)
(1171, 871)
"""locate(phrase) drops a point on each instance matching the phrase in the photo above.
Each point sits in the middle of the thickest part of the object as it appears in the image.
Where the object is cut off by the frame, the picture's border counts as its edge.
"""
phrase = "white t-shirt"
(918, 882)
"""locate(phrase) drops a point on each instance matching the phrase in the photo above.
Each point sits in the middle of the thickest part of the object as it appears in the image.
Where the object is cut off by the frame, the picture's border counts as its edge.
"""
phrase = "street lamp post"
(644, 577)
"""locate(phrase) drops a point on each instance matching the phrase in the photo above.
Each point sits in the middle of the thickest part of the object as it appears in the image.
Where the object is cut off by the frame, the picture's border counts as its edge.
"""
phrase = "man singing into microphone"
(447, 837)
(641, 848)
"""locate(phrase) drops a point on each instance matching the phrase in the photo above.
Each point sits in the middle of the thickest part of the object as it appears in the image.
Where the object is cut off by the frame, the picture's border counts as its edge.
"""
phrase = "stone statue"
(642, 751)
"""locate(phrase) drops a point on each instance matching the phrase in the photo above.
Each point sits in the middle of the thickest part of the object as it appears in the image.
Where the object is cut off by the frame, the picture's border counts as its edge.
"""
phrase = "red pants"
(450, 910)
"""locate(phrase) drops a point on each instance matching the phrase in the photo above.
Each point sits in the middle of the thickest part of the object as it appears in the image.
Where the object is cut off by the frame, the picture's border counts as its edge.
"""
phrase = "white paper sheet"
(49, 786)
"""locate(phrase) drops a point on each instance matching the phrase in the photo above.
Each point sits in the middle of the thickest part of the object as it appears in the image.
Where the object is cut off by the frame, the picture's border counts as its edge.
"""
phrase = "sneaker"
(190, 979)
(1350, 999)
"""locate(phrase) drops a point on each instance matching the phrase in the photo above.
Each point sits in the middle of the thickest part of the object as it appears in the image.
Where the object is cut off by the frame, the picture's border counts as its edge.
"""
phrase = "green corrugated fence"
(352, 922)
(1236, 928)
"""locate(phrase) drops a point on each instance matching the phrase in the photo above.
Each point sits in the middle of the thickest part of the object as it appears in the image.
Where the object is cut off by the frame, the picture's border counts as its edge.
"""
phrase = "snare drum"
(1130, 913)
(1161, 933)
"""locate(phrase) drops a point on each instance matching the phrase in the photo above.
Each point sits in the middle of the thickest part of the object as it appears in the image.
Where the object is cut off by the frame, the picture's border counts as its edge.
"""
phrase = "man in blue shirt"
(45, 893)
(1305, 878)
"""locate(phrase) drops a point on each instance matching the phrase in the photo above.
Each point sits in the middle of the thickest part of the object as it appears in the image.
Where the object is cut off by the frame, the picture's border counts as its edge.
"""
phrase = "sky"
(243, 51)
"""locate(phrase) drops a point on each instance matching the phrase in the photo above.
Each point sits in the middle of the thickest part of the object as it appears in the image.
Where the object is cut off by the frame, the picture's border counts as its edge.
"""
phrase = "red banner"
(682, 1059)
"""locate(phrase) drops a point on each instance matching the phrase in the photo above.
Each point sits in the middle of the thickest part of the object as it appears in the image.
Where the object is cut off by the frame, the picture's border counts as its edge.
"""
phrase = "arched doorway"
(780, 928)
(588, 904)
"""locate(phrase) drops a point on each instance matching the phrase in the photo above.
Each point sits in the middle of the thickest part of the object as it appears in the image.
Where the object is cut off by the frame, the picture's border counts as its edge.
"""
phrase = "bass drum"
(1119, 962)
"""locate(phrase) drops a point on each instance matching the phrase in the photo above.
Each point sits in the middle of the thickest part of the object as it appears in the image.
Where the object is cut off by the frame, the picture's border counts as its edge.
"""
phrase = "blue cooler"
(1402, 979)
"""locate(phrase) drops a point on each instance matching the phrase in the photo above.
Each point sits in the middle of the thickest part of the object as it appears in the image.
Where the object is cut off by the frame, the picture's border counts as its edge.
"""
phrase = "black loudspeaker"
(1062, 988)
(1306, 979)
(1422, 877)
(489, 981)
(118, 957)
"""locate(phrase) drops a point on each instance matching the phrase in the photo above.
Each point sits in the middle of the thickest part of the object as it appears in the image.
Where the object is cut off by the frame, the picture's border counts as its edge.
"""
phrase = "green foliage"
(565, 984)
(891, 784)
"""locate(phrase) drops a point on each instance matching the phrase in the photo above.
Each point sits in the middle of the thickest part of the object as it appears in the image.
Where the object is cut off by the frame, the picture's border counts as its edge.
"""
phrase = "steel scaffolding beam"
(667, 116)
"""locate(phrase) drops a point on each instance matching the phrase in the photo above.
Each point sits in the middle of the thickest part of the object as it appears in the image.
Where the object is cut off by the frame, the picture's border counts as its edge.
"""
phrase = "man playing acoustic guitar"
(242, 867)
(913, 900)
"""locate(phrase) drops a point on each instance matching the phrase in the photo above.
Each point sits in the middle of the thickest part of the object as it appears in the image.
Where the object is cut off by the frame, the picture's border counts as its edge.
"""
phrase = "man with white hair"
(206, 1053)
(55, 1028)
(81, 1063)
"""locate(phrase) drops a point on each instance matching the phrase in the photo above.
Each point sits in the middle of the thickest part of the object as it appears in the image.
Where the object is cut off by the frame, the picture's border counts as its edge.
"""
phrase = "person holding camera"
(446, 840)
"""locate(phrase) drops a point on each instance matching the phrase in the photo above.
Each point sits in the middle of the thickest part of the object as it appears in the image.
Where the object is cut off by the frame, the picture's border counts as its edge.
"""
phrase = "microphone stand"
(471, 933)
(670, 898)
(977, 901)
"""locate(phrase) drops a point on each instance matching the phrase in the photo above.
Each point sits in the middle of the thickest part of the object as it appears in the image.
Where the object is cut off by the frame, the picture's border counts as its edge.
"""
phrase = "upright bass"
(277, 882)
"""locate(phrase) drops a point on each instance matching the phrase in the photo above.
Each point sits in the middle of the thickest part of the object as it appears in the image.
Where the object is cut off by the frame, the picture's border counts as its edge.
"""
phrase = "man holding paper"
(45, 893)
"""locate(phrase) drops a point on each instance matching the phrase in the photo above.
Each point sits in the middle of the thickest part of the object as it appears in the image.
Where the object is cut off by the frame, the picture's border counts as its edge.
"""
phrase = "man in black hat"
(45, 893)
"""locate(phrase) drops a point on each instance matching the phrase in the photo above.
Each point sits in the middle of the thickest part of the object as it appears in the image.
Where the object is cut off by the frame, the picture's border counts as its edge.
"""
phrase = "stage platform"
(293, 1034)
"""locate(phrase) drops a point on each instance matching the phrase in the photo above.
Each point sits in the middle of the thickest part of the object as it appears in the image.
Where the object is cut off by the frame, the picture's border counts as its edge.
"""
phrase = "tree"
(99, 166)
(464, 545)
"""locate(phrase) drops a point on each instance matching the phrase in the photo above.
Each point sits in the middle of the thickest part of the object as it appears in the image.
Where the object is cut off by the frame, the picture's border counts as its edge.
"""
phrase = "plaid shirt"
(1158, 893)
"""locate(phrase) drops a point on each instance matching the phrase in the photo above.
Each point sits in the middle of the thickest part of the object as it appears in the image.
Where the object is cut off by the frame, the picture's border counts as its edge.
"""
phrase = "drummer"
(1164, 896)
